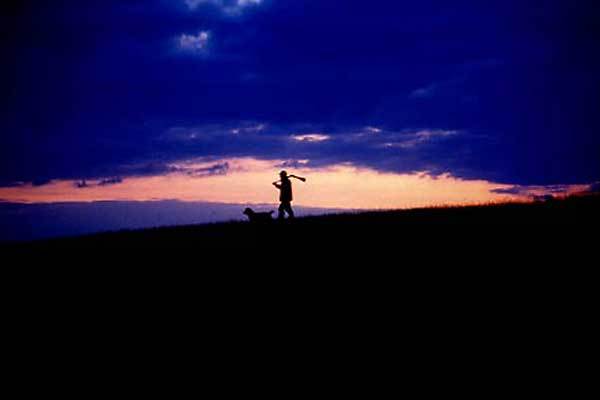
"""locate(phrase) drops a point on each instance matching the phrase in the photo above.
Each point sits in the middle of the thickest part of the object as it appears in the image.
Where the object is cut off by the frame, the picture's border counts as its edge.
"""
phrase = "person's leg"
(288, 208)
(281, 211)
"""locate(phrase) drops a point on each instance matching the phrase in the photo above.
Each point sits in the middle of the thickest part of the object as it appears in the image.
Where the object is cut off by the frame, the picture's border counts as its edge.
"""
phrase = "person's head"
(283, 175)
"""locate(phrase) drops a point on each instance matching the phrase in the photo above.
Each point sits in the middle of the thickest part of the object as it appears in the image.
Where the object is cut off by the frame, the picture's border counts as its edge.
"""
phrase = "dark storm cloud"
(402, 151)
(112, 88)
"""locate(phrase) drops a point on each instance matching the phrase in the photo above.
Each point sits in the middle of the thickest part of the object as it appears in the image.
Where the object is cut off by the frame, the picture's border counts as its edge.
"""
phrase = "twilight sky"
(381, 103)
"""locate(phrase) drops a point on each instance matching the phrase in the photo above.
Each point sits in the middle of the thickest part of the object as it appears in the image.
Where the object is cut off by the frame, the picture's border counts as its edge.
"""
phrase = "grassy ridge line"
(372, 226)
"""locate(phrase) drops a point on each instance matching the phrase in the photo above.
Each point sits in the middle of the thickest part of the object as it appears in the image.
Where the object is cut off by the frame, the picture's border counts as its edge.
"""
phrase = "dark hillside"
(367, 228)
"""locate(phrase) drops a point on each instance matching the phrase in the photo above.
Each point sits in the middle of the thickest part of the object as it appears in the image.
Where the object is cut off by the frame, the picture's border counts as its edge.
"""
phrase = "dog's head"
(248, 211)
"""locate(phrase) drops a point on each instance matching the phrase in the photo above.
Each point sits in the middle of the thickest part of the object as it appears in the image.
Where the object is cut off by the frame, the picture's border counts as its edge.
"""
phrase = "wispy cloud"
(424, 92)
(229, 7)
(201, 170)
(208, 132)
(110, 181)
(294, 164)
(193, 4)
(414, 139)
(537, 191)
(86, 184)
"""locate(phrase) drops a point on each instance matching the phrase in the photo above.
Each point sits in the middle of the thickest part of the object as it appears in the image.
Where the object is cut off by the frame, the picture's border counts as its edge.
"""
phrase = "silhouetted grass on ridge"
(373, 226)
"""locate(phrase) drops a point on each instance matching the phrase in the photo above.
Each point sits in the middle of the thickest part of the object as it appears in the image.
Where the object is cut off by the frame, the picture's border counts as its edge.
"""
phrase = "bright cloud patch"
(311, 137)
(194, 43)
(372, 129)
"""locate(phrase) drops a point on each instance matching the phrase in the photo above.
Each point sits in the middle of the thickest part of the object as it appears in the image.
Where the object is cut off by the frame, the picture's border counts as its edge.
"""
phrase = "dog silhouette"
(258, 217)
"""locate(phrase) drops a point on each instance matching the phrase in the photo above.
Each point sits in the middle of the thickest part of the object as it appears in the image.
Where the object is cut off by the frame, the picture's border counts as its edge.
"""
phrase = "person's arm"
(277, 185)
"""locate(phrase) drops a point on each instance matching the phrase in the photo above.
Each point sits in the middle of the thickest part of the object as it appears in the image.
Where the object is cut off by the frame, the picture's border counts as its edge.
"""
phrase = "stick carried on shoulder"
(298, 177)
(293, 176)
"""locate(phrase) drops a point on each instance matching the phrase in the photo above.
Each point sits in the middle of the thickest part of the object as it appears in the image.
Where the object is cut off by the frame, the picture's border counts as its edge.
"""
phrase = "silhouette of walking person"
(285, 194)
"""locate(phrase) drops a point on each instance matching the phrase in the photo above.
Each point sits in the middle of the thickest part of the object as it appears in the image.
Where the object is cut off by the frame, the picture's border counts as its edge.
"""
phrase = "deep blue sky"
(507, 91)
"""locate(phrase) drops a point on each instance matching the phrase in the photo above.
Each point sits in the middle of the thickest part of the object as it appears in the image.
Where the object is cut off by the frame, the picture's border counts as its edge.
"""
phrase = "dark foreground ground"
(510, 281)
(402, 230)
(477, 291)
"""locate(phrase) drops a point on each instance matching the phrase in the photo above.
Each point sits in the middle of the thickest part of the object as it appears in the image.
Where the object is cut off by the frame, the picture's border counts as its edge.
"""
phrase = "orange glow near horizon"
(248, 181)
